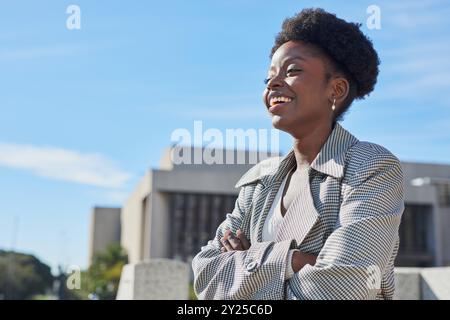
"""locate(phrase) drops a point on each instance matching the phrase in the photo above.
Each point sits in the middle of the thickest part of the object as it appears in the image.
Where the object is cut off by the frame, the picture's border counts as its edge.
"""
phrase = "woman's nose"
(275, 81)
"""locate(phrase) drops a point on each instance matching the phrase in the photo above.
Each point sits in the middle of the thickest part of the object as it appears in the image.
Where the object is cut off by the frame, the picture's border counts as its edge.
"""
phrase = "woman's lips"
(278, 106)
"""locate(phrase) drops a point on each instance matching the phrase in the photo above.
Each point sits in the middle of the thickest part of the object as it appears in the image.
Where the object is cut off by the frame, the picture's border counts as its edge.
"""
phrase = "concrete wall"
(422, 283)
(168, 279)
(134, 220)
(424, 194)
(435, 283)
(159, 237)
(428, 194)
(155, 279)
(206, 158)
(201, 181)
(407, 284)
(105, 229)
(445, 220)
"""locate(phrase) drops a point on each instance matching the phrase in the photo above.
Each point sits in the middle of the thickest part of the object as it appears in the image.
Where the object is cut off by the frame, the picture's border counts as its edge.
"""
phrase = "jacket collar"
(330, 160)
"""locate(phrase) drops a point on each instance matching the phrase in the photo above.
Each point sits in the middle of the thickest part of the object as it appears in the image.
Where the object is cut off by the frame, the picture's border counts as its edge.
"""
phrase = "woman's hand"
(300, 259)
(232, 242)
(239, 242)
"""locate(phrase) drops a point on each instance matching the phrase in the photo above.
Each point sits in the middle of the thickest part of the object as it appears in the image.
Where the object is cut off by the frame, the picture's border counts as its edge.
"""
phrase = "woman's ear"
(340, 88)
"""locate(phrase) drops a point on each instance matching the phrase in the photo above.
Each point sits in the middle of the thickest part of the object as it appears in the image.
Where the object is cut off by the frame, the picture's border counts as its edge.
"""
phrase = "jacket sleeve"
(357, 253)
(256, 273)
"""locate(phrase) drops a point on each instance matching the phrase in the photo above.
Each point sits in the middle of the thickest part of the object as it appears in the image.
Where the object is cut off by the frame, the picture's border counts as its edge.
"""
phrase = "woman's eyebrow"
(289, 59)
(295, 58)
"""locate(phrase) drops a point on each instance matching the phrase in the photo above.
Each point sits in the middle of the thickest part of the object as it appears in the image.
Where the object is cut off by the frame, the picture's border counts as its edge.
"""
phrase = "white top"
(273, 222)
(274, 217)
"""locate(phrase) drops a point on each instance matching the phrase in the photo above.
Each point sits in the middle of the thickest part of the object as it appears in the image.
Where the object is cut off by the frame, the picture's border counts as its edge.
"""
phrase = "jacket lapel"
(302, 214)
(300, 217)
(273, 183)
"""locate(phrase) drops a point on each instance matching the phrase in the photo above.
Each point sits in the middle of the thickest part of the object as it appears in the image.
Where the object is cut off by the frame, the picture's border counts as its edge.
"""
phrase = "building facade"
(176, 209)
(105, 229)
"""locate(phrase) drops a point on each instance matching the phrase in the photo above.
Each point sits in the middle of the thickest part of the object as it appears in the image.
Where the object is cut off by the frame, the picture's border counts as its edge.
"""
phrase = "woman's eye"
(293, 70)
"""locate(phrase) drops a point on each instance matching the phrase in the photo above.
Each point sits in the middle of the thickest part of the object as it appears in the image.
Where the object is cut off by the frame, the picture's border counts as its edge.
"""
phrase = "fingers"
(235, 242)
(226, 245)
(231, 242)
(245, 243)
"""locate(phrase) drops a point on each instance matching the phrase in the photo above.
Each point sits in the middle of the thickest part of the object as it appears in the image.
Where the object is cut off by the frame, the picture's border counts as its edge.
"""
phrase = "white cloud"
(117, 197)
(62, 164)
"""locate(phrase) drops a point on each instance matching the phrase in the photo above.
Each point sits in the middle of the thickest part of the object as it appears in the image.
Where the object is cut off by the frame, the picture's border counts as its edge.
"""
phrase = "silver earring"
(333, 107)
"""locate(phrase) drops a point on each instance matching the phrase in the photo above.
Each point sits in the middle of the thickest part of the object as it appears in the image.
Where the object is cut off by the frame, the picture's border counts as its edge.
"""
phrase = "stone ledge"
(155, 279)
(422, 283)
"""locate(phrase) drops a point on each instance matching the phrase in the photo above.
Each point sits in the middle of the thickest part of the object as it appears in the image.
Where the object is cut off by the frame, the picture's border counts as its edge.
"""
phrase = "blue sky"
(84, 113)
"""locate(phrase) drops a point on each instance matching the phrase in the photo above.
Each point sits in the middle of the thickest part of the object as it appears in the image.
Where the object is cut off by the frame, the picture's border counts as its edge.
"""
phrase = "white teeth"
(280, 99)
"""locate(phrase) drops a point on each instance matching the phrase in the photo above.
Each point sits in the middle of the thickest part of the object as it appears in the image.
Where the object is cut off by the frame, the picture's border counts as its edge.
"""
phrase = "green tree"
(192, 295)
(103, 275)
(23, 275)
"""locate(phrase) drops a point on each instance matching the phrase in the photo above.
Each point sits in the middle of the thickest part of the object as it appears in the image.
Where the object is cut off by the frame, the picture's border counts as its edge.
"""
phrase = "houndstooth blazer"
(348, 215)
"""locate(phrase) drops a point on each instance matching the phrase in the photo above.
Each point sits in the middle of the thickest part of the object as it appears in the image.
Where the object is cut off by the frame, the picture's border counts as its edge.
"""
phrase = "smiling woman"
(324, 61)
(322, 222)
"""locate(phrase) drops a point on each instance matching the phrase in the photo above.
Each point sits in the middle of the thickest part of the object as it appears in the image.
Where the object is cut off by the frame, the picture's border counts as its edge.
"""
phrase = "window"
(444, 195)
(416, 237)
(194, 219)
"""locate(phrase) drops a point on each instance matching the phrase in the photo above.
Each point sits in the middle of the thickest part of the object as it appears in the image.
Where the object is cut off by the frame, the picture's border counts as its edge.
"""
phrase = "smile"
(278, 100)
(276, 103)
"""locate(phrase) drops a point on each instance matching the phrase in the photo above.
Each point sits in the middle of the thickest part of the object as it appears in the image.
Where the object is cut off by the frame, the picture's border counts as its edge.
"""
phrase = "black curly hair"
(348, 50)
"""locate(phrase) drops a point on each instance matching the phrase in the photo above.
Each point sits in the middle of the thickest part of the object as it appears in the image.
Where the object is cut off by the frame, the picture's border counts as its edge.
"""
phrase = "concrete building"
(105, 229)
(176, 209)
(424, 240)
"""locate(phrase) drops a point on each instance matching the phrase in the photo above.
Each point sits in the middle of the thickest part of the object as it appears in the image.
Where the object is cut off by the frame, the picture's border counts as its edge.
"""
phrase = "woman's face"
(297, 94)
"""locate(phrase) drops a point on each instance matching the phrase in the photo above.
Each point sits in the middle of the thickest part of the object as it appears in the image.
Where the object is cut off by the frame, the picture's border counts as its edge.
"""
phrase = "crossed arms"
(364, 240)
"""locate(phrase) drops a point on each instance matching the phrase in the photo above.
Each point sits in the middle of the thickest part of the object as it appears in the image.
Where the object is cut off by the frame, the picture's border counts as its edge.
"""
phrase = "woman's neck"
(309, 145)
